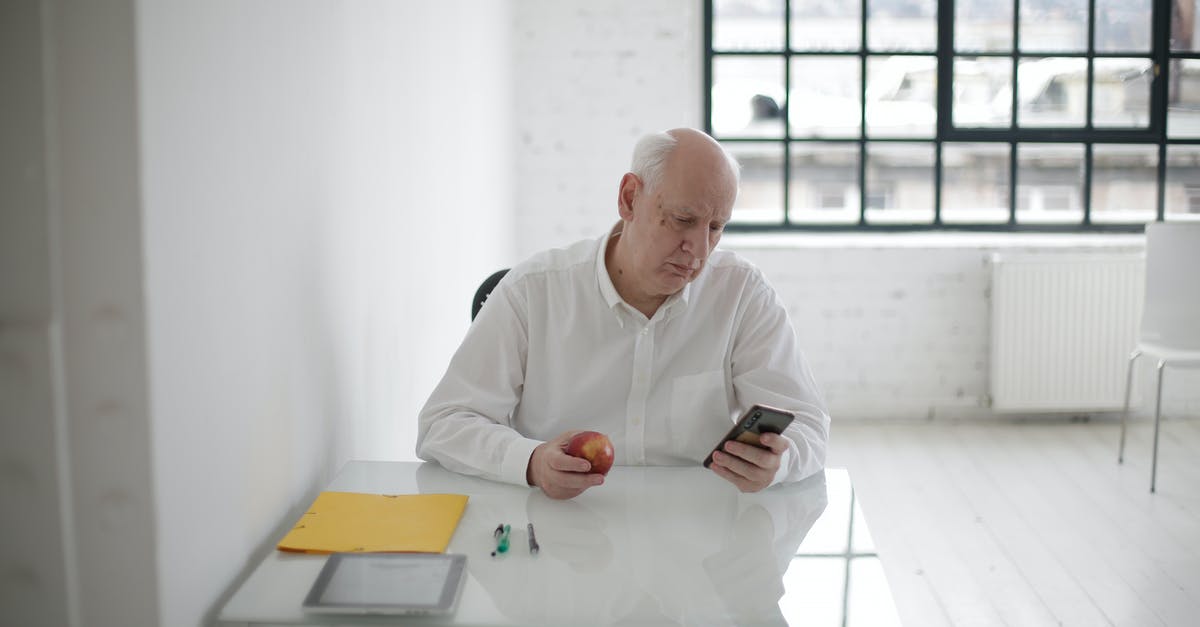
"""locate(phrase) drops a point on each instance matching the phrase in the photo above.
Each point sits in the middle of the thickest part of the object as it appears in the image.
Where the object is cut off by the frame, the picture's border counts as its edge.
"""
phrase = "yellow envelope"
(343, 522)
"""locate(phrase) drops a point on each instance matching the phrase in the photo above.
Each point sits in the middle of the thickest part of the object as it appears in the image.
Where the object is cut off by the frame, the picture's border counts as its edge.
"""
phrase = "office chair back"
(1171, 314)
(481, 295)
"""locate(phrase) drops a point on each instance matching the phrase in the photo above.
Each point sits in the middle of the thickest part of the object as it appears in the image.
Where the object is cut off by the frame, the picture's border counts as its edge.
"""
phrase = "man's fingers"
(753, 454)
(736, 465)
(572, 483)
(576, 479)
(737, 480)
(567, 463)
(777, 443)
(749, 468)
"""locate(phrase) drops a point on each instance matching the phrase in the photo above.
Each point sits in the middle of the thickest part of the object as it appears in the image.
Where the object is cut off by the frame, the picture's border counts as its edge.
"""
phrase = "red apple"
(594, 447)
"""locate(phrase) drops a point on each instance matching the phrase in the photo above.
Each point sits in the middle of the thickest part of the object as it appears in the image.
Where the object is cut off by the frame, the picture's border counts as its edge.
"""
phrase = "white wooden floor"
(1030, 523)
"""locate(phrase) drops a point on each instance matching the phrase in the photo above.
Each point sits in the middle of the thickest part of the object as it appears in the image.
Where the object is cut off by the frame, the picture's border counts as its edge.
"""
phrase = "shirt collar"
(674, 304)
(607, 289)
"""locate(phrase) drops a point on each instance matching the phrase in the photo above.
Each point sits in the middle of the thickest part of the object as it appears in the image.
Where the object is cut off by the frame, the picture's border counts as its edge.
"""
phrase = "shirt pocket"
(699, 414)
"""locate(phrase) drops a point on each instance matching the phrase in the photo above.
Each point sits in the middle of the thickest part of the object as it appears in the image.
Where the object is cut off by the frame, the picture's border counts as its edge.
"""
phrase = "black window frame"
(1154, 135)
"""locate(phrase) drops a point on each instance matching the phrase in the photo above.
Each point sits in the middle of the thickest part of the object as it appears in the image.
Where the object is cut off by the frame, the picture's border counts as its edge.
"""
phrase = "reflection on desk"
(654, 545)
(651, 546)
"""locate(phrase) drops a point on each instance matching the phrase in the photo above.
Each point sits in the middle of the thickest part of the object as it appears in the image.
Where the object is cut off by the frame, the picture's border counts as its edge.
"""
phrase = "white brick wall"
(592, 77)
(895, 326)
(898, 326)
(888, 331)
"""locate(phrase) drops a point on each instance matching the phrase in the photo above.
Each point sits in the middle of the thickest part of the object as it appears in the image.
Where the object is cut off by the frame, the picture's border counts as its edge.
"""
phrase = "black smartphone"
(758, 419)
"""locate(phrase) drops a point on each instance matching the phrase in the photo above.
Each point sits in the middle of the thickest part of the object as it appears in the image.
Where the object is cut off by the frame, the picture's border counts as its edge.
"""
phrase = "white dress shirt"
(555, 348)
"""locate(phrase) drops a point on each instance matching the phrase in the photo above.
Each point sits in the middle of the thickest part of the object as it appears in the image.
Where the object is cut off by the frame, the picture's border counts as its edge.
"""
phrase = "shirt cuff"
(516, 461)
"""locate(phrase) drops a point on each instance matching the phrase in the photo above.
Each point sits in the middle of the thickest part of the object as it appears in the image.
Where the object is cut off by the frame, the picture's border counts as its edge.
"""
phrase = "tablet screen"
(397, 583)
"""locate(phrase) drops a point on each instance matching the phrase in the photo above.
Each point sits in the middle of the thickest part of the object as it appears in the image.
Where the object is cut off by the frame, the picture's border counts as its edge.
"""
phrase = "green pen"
(501, 535)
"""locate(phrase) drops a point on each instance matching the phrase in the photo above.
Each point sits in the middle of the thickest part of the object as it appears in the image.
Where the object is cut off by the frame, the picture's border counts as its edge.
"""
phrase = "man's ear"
(630, 186)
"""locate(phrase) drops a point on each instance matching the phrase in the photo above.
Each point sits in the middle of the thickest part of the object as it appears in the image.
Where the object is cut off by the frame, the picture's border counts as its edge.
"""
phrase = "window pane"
(909, 25)
(1183, 25)
(1183, 99)
(747, 25)
(1052, 92)
(984, 26)
(825, 97)
(747, 97)
(975, 180)
(1121, 92)
(824, 25)
(1124, 182)
(901, 96)
(824, 183)
(982, 92)
(1049, 183)
(1123, 25)
(760, 199)
(1053, 26)
(1183, 181)
(899, 183)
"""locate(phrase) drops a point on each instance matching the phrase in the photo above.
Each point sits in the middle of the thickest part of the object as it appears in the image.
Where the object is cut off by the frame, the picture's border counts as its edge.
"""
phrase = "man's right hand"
(559, 475)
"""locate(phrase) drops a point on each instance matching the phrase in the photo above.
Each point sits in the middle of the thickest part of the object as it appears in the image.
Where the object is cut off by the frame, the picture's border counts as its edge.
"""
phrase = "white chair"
(1170, 331)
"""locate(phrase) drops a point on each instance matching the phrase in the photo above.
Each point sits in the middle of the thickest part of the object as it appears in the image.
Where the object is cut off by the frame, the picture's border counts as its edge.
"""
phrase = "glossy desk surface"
(652, 546)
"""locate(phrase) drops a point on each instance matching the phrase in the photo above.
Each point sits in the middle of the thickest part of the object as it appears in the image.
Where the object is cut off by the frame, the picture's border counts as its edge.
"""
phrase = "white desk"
(651, 546)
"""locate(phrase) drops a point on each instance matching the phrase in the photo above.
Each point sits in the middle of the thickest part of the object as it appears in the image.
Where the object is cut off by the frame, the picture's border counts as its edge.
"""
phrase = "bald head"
(698, 161)
(685, 152)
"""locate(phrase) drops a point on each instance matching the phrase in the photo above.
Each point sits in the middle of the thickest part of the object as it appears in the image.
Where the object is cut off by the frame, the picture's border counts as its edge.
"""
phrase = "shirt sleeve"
(466, 425)
(768, 367)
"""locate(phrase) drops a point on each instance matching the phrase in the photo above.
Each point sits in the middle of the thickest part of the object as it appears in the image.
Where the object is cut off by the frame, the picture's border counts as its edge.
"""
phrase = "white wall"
(241, 129)
(593, 77)
(325, 185)
(900, 326)
(896, 326)
(429, 172)
(239, 246)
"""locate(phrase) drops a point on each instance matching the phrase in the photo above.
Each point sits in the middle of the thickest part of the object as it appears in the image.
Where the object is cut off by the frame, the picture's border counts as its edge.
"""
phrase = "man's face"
(671, 230)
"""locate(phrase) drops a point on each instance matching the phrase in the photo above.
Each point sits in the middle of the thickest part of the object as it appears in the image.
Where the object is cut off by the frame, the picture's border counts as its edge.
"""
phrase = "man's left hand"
(750, 468)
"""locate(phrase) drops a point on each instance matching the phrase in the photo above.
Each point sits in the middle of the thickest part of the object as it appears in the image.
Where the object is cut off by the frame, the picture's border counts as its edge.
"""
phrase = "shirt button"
(637, 420)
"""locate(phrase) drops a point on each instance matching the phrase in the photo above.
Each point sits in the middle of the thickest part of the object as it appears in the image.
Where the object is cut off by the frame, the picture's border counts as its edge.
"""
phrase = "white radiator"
(1062, 329)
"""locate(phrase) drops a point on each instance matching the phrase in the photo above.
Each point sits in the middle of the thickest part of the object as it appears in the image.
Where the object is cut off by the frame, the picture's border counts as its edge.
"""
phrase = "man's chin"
(674, 283)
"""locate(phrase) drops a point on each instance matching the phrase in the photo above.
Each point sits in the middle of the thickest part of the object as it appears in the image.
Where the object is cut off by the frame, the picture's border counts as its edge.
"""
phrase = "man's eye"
(683, 220)
(716, 227)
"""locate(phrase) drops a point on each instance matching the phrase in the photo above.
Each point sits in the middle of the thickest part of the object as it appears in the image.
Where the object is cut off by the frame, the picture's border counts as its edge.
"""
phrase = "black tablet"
(387, 583)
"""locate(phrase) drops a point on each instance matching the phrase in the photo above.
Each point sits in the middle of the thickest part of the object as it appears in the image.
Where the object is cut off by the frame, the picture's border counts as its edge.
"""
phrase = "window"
(1039, 115)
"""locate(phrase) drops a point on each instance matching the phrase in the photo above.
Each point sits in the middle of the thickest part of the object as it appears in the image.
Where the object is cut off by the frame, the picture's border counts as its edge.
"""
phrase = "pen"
(533, 545)
(501, 535)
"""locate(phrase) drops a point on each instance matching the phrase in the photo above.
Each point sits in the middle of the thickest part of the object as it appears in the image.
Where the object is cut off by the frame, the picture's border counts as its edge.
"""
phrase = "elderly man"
(647, 334)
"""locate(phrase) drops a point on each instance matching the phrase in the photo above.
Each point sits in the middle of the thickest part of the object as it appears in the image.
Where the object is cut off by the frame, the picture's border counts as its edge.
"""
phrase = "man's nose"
(695, 243)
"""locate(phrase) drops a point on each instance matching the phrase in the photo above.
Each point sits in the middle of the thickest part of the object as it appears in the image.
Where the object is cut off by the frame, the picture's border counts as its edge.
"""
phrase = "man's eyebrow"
(691, 213)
